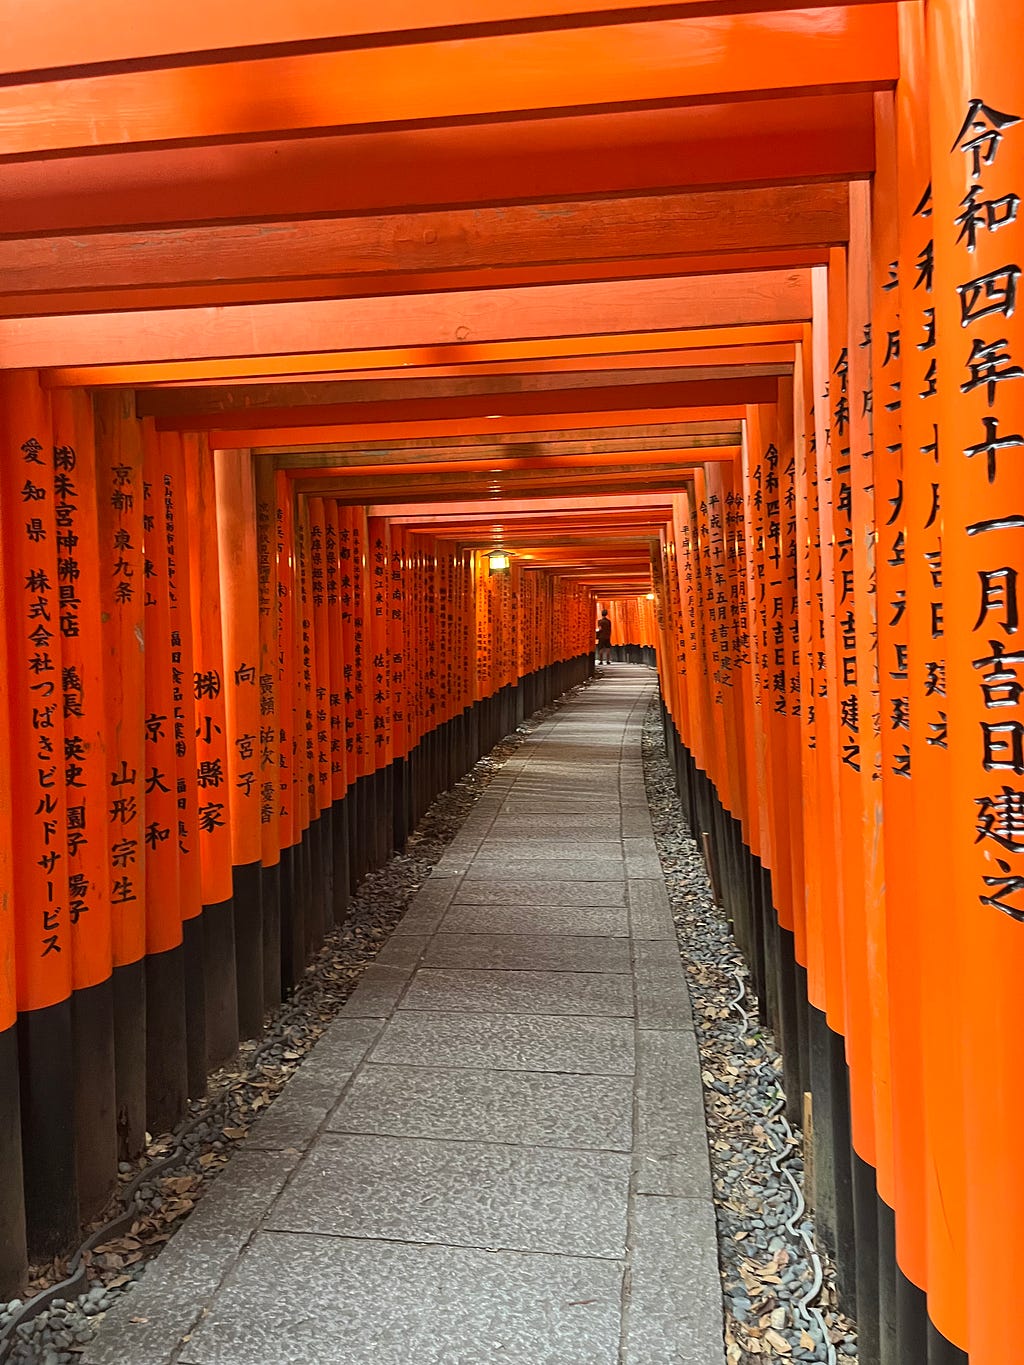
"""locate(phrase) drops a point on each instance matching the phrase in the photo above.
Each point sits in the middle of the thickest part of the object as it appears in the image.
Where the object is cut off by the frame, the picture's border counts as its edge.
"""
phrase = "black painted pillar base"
(833, 1156)
(92, 1038)
(166, 1049)
(304, 897)
(327, 867)
(293, 927)
(788, 1033)
(385, 818)
(248, 912)
(399, 799)
(803, 1039)
(129, 983)
(888, 1275)
(270, 900)
(865, 1221)
(13, 1252)
(942, 1351)
(911, 1321)
(193, 935)
(49, 1164)
(339, 857)
(220, 984)
(772, 965)
(358, 845)
(312, 856)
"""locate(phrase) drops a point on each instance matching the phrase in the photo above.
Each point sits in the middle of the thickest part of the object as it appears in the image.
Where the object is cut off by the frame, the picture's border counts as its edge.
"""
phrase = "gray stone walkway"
(497, 1152)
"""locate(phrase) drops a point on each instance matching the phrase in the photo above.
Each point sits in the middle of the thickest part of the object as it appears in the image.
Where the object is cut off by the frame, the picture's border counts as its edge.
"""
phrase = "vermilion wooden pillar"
(293, 904)
(209, 723)
(13, 1251)
(811, 672)
(397, 572)
(976, 109)
(379, 551)
(923, 675)
(269, 738)
(122, 606)
(173, 524)
(854, 715)
(80, 591)
(903, 1210)
(306, 761)
(829, 1083)
(335, 668)
(37, 697)
(351, 732)
(321, 814)
(166, 1046)
(236, 530)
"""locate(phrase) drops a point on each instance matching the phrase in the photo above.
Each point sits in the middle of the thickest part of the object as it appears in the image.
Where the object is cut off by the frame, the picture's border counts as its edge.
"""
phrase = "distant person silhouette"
(604, 638)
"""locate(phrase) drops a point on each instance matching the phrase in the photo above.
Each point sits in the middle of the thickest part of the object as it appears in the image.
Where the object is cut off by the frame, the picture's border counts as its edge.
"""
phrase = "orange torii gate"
(648, 298)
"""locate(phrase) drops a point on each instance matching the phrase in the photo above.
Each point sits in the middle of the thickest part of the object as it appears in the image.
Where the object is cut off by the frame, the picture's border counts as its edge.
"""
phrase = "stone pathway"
(497, 1152)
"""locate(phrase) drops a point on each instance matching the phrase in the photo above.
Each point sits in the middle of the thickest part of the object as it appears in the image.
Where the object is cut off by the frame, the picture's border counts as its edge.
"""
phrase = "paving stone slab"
(378, 992)
(663, 1000)
(675, 1302)
(346, 1302)
(597, 806)
(147, 1325)
(485, 868)
(577, 783)
(536, 1109)
(461, 849)
(540, 891)
(650, 914)
(516, 1042)
(534, 826)
(573, 848)
(459, 1193)
(636, 824)
(642, 859)
(454, 866)
(404, 951)
(552, 832)
(529, 952)
(595, 921)
(294, 1118)
(339, 1050)
(498, 992)
(672, 1141)
(428, 906)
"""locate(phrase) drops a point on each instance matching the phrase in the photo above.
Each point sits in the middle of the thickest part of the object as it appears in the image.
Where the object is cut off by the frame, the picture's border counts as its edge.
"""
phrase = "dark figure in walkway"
(604, 638)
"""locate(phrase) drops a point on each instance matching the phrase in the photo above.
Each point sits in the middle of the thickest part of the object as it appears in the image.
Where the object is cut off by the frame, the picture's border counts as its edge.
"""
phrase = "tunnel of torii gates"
(309, 310)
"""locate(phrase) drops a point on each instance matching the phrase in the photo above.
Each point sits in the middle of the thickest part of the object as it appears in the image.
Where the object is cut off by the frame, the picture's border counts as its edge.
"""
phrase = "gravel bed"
(185, 1161)
(764, 1232)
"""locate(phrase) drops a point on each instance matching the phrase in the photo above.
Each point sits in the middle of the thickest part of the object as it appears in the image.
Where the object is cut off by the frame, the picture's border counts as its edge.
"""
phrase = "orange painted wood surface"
(617, 65)
(420, 320)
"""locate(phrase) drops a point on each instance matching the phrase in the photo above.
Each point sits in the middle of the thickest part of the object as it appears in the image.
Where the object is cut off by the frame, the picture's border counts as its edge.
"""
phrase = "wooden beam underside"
(50, 35)
(401, 253)
(491, 77)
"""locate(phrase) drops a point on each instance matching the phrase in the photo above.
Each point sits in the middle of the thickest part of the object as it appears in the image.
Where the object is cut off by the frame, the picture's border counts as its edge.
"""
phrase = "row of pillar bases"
(83, 1081)
(854, 1227)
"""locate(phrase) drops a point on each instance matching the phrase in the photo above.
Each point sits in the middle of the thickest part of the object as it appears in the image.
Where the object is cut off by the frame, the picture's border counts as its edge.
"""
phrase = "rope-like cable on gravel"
(785, 1148)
